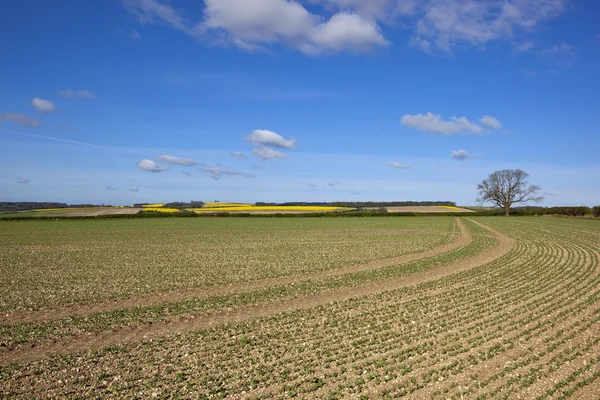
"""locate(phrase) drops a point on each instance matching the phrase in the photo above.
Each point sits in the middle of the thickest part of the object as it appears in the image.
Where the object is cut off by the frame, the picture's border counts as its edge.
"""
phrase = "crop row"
(12, 334)
(525, 324)
(54, 263)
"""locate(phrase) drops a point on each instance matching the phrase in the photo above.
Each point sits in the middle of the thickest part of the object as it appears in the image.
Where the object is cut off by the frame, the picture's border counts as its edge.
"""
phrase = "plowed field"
(416, 307)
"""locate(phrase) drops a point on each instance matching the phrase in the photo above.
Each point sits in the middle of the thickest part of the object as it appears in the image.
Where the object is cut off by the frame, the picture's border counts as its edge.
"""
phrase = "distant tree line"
(8, 206)
(363, 204)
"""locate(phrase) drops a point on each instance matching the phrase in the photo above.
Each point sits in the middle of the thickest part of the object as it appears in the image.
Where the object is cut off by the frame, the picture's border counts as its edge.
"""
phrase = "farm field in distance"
(417, 307)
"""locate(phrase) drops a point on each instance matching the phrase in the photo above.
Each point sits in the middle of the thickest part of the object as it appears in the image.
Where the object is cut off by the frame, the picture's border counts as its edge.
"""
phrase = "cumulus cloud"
(76, 94)
(490, 122)
(217, 173)
(396, 164)
(258, 24)
(462, 155)
(19, 119)
(42, 105)
(184, 162)
(265, 137)
(330, 26)
(134, 189)
(238, 154)
(264, 154)
(151, 166)
(435, 124)
(23, 180)
(110, 188)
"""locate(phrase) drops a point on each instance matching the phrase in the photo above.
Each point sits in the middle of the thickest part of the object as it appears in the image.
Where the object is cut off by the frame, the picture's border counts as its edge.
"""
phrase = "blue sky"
(124, 101)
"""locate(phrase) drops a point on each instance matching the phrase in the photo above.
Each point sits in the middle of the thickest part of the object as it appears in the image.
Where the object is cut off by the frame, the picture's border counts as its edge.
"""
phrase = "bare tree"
(506, 187)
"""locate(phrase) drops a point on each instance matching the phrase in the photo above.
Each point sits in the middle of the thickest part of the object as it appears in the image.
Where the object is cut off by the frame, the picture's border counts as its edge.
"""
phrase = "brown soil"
(461, 240)
(91, 212)
(424, 209)
(192, 323)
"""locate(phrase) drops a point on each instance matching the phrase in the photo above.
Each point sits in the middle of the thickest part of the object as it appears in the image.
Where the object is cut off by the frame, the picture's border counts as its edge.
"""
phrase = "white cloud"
(264, 153)
(265, 137)
(523, 47)
(559, 57)
(257, 24)
(451, 23)
(43, 105)
(23, 180)
(76, 94)
(19, 119)
(134, 189)
(110, 188)
(151, 166)
(462, 155)
(395, 164)
(184, 162)
(435, 124)
(218, 173)
(490, 122)
(238, 154)
(329, 26)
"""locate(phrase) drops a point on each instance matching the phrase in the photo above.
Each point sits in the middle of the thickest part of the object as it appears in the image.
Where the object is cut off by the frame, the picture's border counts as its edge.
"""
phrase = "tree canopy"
(506, 187)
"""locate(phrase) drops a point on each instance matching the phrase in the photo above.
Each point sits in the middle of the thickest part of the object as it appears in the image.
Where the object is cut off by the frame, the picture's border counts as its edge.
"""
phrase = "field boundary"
(192, 323)
(460, 239)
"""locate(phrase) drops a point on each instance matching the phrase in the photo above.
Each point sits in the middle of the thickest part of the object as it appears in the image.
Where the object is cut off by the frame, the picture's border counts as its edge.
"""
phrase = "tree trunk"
(506, 208)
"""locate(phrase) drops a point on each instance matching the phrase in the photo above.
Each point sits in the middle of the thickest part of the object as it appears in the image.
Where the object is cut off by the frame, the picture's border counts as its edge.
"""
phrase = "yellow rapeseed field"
(451, 207)
(161, 209)
(214, 204)
(153, 205)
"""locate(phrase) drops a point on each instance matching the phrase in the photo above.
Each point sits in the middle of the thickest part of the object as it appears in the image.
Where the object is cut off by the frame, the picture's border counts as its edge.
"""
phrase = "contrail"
(53, 138)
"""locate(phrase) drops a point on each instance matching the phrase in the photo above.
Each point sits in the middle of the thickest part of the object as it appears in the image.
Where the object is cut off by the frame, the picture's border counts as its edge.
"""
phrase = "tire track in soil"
(133, 333)
(460, 239)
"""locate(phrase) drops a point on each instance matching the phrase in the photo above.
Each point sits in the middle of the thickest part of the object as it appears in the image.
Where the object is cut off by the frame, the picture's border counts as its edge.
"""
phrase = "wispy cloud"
(396, 164)
(265, 137)
(354, 192)
(312, 185)
(264, 154)
(433, 123)
(134, 34)
(134, 189)
(55, 139)
(184, 162)
(23, 180)
(43, 106)
(217, 173)
(186, 173)
(76, 94)
(151, 166)
(110, 188)
(19, 119)
(559, 57)
(238, 154)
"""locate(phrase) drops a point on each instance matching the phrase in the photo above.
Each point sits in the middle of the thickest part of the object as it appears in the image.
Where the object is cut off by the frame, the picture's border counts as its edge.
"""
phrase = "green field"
(423, 307)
